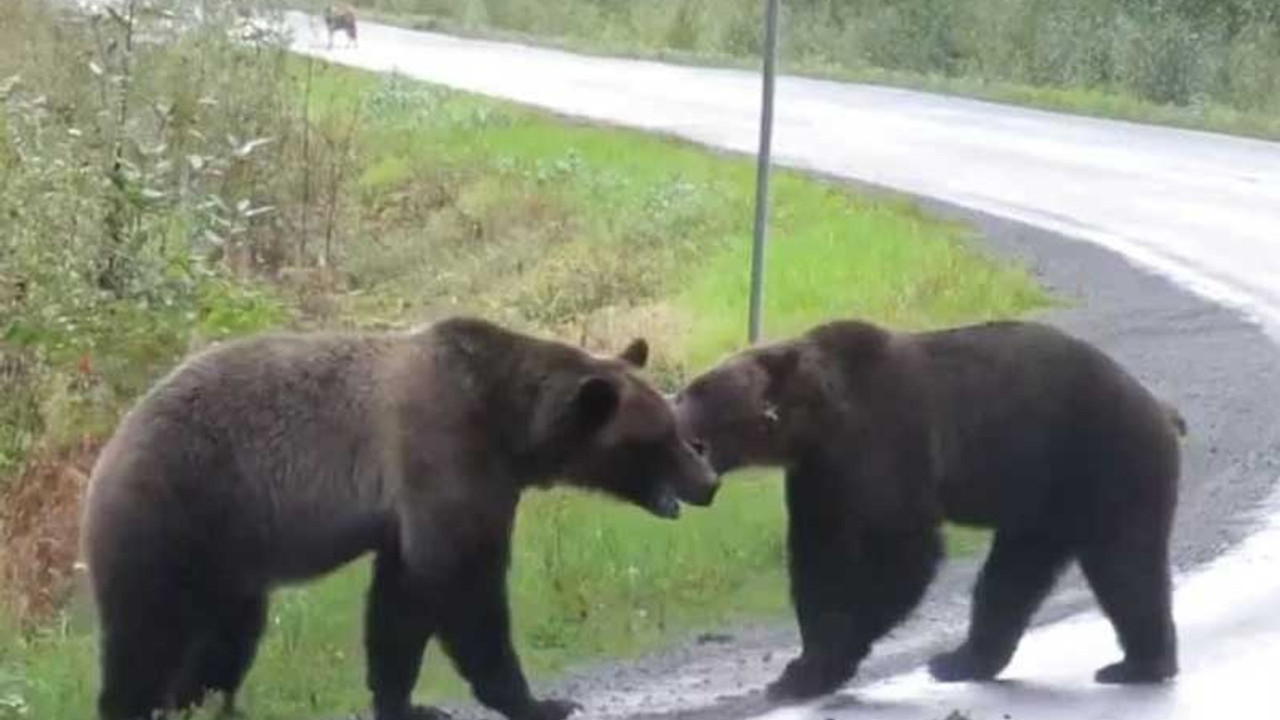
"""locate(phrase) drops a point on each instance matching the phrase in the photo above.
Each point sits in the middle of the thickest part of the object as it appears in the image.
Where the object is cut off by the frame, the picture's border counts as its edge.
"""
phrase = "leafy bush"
(141, 161)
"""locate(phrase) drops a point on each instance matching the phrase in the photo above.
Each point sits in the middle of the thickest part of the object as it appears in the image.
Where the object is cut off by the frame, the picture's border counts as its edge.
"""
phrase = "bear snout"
(701, 488)
(702, 495)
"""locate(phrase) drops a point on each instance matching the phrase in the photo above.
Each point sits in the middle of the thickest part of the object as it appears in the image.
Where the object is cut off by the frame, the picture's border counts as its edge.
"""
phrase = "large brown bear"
(1009, 425)
(276, 459)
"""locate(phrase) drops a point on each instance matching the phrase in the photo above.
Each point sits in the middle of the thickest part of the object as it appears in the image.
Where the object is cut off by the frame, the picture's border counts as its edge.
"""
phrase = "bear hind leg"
(220, 659)
(1130, 577)
(1017, 575)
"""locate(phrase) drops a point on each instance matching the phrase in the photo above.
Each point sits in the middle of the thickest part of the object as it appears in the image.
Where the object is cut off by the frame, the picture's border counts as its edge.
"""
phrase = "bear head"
(622, 438)
(739, 413)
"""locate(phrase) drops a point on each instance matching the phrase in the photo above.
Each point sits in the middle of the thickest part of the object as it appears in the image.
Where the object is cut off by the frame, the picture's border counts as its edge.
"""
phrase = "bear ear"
(594, 403)
(636, 354)
(779, 362)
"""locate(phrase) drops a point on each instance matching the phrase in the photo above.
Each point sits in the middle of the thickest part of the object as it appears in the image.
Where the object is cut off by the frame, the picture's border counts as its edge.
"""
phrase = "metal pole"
(762, 169)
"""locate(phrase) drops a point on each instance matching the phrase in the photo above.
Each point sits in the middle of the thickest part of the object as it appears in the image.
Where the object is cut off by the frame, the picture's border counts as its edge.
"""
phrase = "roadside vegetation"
(1211, 64)
(161, 189)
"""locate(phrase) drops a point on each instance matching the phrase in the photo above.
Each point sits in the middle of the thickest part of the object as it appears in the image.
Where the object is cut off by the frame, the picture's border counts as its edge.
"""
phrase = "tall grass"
(1212, 63)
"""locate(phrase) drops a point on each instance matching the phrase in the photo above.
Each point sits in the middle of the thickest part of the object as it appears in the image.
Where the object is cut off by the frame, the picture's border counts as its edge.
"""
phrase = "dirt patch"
(39, 531)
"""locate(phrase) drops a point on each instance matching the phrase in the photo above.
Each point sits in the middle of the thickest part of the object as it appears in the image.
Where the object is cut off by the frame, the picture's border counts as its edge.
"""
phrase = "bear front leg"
(1019, 572)
(399, 620)
(822, 602)
(820, 550)
(848, 593)
(475, 628)
(892, 575)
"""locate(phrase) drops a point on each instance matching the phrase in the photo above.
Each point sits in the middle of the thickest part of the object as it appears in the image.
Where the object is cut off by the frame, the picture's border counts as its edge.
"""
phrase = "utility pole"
(762, 169)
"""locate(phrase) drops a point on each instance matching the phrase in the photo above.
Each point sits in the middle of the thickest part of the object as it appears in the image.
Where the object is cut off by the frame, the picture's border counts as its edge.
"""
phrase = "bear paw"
(962, 665)
(416, 712)
(1136, 673)
(805, 678)
(550, 709)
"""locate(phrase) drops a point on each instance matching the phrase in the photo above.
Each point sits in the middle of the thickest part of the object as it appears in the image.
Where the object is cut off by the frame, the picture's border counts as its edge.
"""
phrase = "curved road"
(1178, 226)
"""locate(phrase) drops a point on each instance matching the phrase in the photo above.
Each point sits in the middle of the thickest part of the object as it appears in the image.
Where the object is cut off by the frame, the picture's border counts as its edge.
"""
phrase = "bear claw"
(1130, 673)
(804, 679)
(551, 709)
(417, 712)
(961, 665)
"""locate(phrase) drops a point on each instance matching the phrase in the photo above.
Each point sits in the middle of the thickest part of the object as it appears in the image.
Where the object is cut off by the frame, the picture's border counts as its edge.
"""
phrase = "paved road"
(1202, 211)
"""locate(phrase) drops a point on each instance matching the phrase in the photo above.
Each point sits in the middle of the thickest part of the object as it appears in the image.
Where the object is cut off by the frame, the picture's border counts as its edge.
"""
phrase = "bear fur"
(278, 458)
(1014, 426)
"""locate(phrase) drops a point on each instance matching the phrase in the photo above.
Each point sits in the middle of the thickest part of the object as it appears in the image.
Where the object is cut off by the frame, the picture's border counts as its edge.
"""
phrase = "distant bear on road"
(341, 18)
(1010, 425)
(279, 458)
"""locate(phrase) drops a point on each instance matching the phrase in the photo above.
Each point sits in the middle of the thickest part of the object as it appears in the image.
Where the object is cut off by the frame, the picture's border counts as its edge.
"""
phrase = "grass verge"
(439, 203)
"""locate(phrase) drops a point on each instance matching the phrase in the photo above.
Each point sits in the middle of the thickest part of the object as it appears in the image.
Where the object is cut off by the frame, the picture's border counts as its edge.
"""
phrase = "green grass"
(452, 203)
(811, 52)
(833, 255)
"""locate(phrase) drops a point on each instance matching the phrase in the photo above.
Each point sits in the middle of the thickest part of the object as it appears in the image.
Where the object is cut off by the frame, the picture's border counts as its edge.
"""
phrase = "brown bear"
(1014, 426)
(278, 458)
(341, 18)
